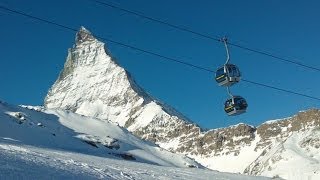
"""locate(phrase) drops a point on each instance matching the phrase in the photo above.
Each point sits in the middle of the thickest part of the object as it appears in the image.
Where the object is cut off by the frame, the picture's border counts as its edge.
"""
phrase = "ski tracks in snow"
(29, 162)
(72, 163)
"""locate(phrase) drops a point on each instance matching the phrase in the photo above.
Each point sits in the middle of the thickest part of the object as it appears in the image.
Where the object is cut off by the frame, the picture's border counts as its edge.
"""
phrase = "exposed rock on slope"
(291, 147)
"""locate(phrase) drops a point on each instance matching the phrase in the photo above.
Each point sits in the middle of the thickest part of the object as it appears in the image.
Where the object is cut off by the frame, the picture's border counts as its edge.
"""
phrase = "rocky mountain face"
(290, 147)
(93, 84)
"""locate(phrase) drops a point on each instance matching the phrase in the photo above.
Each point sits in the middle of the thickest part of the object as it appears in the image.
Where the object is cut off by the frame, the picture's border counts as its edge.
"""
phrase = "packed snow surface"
(29, 162)
(40, 144)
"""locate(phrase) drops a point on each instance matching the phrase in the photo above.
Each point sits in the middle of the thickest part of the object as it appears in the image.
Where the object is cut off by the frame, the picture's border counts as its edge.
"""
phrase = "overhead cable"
(163, 57)
(215, 38)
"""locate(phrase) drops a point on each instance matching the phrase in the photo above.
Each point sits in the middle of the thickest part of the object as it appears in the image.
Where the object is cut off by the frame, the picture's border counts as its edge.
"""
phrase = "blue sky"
(32, 53)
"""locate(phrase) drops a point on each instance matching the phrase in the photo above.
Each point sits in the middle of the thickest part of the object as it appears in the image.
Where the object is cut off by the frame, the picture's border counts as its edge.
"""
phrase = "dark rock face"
(83, 35)
(304, 120)
(214, 141)
(282, 129)
(195, 142)
(312, 141)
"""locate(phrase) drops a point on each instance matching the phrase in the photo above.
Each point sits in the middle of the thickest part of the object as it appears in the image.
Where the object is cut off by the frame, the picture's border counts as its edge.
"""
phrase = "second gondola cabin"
(228, 75)
(235, 106)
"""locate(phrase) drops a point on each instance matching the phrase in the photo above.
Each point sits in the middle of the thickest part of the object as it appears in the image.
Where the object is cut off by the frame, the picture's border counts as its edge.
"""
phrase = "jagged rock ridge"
(93, 84)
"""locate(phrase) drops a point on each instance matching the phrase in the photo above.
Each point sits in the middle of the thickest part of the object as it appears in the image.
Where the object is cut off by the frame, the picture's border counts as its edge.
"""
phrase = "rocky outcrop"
(288, 140)
(281, 129)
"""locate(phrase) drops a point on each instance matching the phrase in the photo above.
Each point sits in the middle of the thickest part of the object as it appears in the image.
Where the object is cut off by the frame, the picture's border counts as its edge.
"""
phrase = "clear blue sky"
(32, 53)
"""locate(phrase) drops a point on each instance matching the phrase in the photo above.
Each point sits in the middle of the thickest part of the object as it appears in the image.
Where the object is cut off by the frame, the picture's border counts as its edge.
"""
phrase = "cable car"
(228, 75)
(235, 106)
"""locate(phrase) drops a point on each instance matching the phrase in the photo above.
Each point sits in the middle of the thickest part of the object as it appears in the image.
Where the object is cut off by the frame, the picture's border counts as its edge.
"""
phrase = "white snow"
(57, 150)
(293, 162)
(30, 162)
(172, 144)
(151, 111)
(274, 121)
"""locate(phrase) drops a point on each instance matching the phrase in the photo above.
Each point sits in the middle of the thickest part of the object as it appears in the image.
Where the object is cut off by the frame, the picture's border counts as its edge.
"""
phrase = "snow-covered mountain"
(38, 143)
(93, 84)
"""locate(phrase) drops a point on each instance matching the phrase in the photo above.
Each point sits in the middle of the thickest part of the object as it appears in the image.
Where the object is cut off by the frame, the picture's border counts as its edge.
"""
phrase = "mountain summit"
(93, 84)
(83, 35)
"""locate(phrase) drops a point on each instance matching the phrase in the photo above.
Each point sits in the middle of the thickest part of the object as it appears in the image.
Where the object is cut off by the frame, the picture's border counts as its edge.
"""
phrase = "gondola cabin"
(235, 106)
(228, 75)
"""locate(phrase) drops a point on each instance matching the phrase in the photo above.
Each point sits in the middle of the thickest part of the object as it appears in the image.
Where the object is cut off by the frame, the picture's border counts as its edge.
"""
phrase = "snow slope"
(29, 162)
(57, 129)
(296, 158)
(37, 144)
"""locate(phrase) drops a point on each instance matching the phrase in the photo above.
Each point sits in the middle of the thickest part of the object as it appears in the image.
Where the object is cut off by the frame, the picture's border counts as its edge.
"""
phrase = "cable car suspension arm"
(229, 92)
(227, 49)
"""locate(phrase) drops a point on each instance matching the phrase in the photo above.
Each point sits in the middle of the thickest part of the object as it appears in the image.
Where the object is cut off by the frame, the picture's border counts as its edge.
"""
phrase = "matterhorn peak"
(84, 35)
(93, 84)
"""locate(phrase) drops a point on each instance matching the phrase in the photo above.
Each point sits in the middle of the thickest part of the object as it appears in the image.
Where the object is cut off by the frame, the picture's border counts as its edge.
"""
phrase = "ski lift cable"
(215, 38)
(163, 57)
(154, 19)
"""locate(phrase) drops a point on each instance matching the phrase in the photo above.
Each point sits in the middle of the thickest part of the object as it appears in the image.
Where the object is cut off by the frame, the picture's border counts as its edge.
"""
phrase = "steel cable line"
(216, 38)
(155, 20)
(163, 57)
(106, 39)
